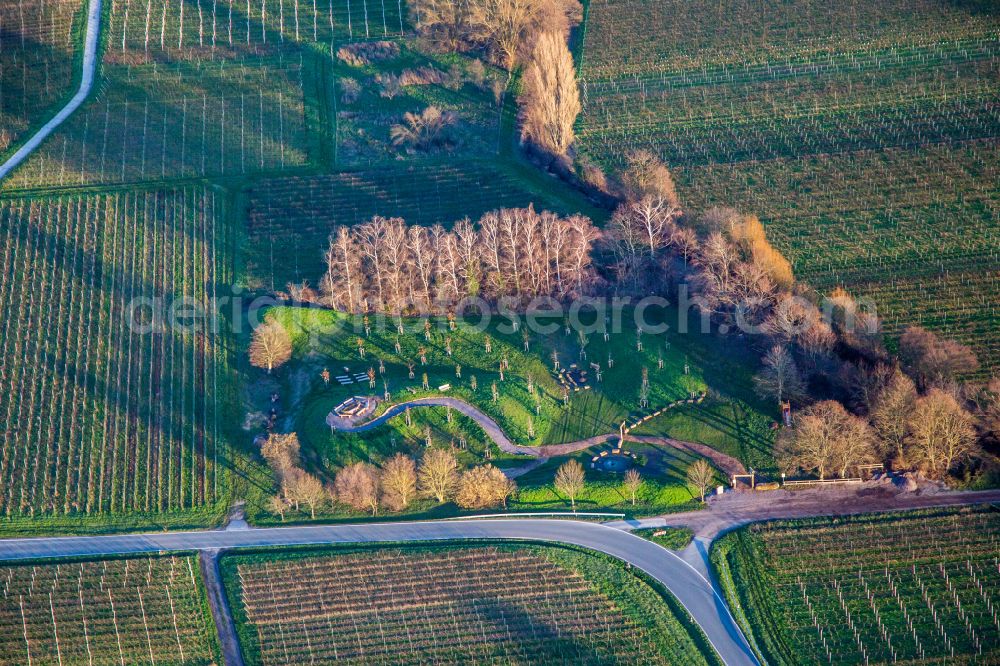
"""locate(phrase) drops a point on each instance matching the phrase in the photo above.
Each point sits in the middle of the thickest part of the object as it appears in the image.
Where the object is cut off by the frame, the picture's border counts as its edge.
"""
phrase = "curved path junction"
(727, 464)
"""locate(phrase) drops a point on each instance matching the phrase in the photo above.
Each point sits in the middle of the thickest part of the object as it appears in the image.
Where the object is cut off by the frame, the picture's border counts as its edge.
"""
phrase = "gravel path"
(208, 560)
(735, 509)
(727, 464)
(86, 83)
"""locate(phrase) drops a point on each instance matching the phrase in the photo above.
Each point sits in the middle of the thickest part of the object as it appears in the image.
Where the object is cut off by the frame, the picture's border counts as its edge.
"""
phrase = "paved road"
(86, 82)
(687, 584)
(727, 464)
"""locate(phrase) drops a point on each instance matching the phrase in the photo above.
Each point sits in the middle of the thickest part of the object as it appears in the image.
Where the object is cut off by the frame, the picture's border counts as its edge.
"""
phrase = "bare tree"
(358, 486)
(438, 474)
(399, 481)
(508, 25)
(302, 487)
(551, 99)
(449, 25)
(858, 329)
(281, 451)
(727, 282)
(483, 487)
(389, 266)
(701, 475)
(686, 241)
(424, 130)
(748, 233)
(570, 480)
(371, 240)
(645, 175)
(790, 317)
(277, 505)
(988, 411)
(826, 439)
(934, 361)
(651, 218)
(891, 413)
(506, 28)
(342, 283)
(270, 345)
(941, 434)
(779, 378)
(422, 266)
(503, 487)
(582, 236)
(633, 484)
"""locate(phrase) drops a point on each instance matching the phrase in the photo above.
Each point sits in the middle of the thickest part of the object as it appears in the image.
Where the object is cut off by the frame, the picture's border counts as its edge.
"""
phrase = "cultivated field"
(149, 610)
(864, 134)
(100, 416)
(157, 30)
(290, 219)
(901, 226)
(503, 604)
(910, 588)
(160, 122)
(36, 61)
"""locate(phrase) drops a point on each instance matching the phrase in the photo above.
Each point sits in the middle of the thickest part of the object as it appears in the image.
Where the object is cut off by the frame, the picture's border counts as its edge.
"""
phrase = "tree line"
(393, 485)
(436, 475)
(386, 265)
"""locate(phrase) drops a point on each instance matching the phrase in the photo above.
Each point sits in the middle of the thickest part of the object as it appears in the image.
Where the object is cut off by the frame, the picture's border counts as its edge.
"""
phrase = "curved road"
(86, 82)
(688, 585)
(727, 464)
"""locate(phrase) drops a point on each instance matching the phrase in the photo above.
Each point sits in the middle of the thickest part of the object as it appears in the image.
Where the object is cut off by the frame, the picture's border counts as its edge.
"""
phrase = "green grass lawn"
(664, 489)
(325, 339)
(595, 411)
(729, 426)
(674, 538)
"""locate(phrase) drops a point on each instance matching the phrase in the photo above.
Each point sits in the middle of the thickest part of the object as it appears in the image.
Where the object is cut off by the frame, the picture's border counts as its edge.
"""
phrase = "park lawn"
(663, 470)
(335, 449)
(691, 363)
(322, 339)
(729, 426)
(664, 488)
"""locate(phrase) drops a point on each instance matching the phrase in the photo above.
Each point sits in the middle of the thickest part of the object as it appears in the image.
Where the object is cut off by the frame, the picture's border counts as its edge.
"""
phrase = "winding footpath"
(86, 83)
(727, 464)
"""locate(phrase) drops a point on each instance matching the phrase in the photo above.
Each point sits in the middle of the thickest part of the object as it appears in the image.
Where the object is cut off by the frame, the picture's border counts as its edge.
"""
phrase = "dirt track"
(740, 508)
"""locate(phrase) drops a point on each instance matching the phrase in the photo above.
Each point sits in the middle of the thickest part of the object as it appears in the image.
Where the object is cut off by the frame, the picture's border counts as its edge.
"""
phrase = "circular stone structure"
(614, 460)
